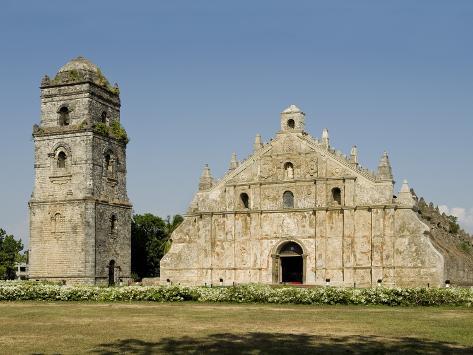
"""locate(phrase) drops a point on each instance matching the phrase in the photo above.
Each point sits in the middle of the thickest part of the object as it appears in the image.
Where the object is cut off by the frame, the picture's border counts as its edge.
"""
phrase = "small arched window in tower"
(64, 116)
(61, 160)
(288, 199)
(289, 170)
(113, 224)
(245, 200)
(103, 117)
(291, 123)
(337, 196)
(109, 162)
(58, 223)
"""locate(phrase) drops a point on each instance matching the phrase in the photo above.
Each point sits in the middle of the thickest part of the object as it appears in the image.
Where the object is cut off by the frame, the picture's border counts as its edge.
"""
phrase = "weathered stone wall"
(55, 183)
(346, 246)
(86, 103)
(112, 244)
(455, 244)
(368, 236)
(60, 248)
(109, 184)
(80, 182)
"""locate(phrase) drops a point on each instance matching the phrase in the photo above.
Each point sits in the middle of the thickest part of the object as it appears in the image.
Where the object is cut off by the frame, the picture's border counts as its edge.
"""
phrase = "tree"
(454, 227)
(9, 255)
(150, 240)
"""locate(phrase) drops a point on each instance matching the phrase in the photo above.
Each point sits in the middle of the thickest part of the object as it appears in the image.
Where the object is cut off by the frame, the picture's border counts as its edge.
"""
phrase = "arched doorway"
(111, 273)
(291, 266)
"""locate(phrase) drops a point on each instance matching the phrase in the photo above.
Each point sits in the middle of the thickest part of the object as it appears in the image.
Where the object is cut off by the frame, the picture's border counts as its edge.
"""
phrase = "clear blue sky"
(200, 78)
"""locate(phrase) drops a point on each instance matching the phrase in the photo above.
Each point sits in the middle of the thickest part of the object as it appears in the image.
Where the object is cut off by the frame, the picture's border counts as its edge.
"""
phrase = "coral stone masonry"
(80, 215)
(298, 211)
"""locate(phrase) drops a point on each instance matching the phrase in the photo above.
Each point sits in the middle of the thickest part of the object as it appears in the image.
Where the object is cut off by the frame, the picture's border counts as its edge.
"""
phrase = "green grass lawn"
(176, 328)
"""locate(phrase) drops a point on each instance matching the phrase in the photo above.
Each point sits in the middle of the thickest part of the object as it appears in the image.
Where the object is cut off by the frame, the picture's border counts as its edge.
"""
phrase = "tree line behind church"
(150, 240)
(10, 255)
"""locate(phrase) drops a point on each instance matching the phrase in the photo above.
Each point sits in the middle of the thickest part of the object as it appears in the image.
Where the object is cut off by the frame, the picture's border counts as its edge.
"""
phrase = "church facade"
(297, 211)
(80, 215)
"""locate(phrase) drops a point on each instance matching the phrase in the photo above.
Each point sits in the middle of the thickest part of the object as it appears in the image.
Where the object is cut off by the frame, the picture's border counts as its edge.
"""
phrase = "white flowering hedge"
(252, 293)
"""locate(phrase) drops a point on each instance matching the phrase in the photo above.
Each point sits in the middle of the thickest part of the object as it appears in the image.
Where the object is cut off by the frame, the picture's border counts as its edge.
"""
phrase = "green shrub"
(75, 75)
(453, 225)
(101, 128)
(251, 293)
(118, 131)
(466, 247)
(115, 130)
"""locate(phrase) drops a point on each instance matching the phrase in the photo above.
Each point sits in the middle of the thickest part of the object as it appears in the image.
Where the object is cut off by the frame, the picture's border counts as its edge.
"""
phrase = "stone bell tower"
(292, 119)
(80, 215)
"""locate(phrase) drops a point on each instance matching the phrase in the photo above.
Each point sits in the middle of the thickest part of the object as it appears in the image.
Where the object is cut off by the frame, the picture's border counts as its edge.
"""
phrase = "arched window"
(61, 160)
(288, 199)
(245, 200)
(64, 116)
(113, 224)
(337, 195)
(109, 164)
(104, 117)
(291, 123)
(58, 223)
(289, 170)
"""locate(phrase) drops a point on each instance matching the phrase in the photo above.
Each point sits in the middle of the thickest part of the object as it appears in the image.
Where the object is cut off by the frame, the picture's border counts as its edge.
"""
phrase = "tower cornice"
(111, 90)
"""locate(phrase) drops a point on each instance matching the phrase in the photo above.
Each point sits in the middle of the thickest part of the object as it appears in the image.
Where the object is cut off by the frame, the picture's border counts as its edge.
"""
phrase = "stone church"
(80, 215)
(298, 211)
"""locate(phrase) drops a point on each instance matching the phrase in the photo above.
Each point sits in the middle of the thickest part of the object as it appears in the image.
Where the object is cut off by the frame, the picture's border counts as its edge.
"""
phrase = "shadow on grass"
(275, 343)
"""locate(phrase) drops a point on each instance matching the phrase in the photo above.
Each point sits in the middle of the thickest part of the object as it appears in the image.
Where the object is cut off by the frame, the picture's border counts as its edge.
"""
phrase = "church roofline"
(322, 147)
(357, 169)
(340, 158)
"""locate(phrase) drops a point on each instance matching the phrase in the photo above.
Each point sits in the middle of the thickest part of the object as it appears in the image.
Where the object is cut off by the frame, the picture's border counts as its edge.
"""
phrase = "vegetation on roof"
(114, 130)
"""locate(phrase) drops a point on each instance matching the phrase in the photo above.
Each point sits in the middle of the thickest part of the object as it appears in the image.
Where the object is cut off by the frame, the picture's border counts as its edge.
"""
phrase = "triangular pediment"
(310, 158)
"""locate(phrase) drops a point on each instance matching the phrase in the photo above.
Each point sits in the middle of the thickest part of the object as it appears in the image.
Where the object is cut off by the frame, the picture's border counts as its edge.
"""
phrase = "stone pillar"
(377, 217)
(320, 245)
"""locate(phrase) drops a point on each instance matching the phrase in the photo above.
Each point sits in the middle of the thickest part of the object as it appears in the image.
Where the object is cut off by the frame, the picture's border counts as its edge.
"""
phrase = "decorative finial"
(325, 138)
(405, 186)
(258, 144)
(116, 89)
(206, 171)
(354, 155)
(384, 168)
(206, 180)
(405, 195)
(45, 81)
(233, 162)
